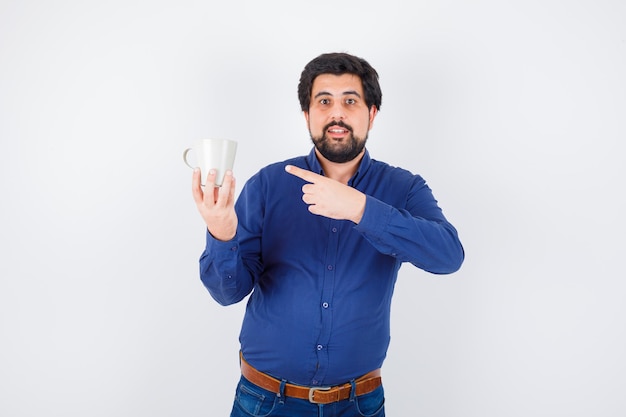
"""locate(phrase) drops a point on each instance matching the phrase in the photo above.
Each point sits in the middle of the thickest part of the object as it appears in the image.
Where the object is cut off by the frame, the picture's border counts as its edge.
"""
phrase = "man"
(317, 242)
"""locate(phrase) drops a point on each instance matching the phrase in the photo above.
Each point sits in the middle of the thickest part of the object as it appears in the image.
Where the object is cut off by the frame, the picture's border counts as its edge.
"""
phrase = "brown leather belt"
(319, 395)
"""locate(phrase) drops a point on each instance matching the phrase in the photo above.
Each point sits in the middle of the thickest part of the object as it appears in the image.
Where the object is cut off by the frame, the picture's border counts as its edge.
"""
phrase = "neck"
(341, 172)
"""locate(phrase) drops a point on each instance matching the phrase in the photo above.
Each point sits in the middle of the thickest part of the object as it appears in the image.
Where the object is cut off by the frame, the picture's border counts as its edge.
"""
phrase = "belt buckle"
(312, 393)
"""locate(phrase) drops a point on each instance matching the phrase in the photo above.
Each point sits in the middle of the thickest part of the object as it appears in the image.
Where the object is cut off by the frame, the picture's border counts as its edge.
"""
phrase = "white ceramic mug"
(218, 154)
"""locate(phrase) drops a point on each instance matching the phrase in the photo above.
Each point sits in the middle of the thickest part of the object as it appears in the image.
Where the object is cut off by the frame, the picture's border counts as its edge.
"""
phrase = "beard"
(339, 152)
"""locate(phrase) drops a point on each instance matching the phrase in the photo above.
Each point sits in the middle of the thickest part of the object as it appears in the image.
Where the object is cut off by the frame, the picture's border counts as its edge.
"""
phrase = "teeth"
(337, 130)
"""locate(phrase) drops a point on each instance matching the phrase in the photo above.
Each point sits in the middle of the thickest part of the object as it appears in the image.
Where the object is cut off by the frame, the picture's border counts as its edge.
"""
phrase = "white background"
(514, 112)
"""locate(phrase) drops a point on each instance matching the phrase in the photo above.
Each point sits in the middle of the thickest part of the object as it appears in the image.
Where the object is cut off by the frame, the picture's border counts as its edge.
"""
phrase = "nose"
(337, 112)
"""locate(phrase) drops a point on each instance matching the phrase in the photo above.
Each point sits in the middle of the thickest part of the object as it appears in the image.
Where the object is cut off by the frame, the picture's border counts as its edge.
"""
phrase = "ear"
(306, 116)
(373, 113)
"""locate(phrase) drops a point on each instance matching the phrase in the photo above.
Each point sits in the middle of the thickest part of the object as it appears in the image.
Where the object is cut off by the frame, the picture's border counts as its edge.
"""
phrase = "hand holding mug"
(216, 202)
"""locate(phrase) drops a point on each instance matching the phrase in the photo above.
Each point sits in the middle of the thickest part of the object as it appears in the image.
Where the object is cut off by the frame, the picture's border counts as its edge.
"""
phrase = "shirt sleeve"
(222, 271)
(417, 233)
(229, 269)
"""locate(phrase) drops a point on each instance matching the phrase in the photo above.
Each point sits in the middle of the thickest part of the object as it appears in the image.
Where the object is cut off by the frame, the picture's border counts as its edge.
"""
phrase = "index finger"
(196, 190)
(302, 173)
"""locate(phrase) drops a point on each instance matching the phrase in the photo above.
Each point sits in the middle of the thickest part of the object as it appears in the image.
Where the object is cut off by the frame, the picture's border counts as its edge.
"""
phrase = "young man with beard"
(317, 242)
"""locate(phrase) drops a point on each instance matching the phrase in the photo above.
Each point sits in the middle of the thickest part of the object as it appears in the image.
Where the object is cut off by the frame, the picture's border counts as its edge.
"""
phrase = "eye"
(325, 101)
(350, 101)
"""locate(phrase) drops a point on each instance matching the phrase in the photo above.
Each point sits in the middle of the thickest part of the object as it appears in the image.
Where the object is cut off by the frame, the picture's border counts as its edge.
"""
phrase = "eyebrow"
(345, 93)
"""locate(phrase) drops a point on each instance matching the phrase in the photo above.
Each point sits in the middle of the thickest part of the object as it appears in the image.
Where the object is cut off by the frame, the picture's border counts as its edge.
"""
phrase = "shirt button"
(330, 267)
(334, 230)
(320, 347)
(325, 305)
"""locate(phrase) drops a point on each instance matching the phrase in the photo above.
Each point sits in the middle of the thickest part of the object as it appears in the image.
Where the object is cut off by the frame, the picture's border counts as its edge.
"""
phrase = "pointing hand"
(329, 198)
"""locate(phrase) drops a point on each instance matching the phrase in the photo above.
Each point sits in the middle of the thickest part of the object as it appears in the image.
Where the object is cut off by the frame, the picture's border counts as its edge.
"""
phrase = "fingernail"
(211, 172)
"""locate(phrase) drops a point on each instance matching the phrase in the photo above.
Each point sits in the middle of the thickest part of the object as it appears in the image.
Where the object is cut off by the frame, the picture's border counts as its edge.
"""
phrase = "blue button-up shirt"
(320, 289)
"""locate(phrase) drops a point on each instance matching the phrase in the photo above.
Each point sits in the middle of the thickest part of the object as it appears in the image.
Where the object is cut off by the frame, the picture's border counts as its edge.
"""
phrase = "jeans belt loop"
(352, 390)
(281, 392)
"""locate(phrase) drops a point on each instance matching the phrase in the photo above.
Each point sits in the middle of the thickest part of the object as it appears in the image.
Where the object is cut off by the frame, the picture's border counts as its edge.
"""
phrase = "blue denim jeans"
(254, 401)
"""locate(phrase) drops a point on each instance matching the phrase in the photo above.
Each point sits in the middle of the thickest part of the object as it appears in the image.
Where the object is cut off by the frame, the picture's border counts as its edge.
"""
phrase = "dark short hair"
(338, 63)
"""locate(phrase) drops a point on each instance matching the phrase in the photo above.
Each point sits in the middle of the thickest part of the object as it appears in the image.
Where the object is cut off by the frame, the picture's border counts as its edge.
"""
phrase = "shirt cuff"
(221, 249)
(375, 217)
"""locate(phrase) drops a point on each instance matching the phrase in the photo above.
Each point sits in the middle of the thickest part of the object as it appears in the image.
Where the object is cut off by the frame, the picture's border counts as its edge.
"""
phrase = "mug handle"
(185, 158)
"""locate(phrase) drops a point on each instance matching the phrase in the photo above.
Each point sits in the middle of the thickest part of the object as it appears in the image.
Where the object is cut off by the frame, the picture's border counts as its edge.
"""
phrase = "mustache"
(339, 123)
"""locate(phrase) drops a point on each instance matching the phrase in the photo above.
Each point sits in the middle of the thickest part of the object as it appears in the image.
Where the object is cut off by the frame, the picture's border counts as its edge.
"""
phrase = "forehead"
(337, 84)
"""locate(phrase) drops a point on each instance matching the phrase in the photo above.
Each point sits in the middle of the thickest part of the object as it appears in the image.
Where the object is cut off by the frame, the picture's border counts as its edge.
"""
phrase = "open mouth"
(338, 130)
